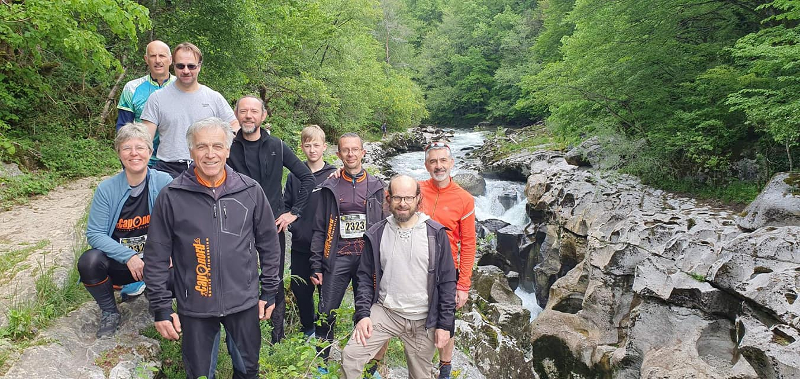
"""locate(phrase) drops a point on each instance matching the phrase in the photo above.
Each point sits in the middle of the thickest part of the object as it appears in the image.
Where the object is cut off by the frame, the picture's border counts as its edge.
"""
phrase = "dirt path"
(41, 235)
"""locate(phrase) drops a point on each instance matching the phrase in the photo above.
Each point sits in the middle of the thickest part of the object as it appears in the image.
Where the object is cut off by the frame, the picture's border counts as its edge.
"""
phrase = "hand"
(264, 312)
(170, 329)
(316, 279)
(363, 331)
(136, 267)
(335, 174)
(284, 220)
(442, 338)
(461, 298)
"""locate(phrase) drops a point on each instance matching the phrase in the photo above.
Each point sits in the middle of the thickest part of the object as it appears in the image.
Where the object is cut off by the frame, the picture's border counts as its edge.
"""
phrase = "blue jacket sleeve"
(97, 227)
(123, 117)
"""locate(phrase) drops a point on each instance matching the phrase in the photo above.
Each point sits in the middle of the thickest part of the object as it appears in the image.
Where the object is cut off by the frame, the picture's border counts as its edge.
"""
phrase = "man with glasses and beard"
(172, 110)
(261, 156)
(406, 286)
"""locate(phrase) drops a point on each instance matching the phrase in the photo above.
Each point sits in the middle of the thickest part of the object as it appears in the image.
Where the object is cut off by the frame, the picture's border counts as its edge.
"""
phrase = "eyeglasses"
(190, 66)
(354, 150)
(127, 149)
(407, 199)
(437, 145)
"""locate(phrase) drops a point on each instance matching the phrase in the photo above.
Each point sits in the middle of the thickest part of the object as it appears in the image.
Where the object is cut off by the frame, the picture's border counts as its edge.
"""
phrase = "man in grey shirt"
(173, 109)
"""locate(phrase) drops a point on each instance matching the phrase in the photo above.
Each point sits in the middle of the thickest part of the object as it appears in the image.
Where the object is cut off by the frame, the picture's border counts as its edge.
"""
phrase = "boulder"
(507, 198)
(585, 153)
(778, 204)
(472, 183)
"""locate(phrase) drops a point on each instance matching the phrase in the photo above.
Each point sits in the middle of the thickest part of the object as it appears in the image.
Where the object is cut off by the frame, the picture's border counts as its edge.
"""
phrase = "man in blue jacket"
(216, 228)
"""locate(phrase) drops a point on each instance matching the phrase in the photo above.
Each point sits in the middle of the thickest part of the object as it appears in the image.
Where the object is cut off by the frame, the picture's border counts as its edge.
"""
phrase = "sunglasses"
(192, 67)
(437, 145)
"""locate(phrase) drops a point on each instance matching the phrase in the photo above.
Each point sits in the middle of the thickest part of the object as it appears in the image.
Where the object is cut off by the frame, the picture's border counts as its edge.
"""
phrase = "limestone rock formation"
(472, 183)
(643, 284)
(777, 205)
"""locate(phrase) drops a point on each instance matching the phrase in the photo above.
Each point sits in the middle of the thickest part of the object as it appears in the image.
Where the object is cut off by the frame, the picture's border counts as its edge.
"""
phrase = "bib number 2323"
(353, 225)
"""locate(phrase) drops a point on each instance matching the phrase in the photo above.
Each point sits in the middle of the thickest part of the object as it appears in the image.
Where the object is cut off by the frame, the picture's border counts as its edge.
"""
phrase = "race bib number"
(134, 243)
(352, 226)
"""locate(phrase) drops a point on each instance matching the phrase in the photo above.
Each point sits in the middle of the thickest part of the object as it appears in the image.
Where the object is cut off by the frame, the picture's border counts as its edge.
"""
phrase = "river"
(487, 206)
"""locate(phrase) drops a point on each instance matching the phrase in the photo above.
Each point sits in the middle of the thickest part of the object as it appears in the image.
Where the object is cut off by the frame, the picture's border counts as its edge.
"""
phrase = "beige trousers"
(418, 342)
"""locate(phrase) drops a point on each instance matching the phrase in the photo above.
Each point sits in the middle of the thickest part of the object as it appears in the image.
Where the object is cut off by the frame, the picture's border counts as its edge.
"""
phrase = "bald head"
(403, 183)
(158, 58)
(403, 198)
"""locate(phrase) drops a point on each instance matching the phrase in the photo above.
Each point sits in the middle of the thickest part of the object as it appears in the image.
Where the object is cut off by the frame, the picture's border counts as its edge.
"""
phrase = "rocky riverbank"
(641, 283)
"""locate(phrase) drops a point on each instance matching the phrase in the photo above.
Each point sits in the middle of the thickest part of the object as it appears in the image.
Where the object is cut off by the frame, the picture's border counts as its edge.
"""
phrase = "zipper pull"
(215, 210)
(225, 211)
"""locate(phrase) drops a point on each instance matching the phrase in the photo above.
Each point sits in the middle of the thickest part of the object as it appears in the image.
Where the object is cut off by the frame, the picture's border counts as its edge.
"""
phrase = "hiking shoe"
(109, 323)
(132, 290)
(444, 371)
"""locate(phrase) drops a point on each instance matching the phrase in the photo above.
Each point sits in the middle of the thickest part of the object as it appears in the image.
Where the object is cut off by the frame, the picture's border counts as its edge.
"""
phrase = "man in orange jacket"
(452, 206)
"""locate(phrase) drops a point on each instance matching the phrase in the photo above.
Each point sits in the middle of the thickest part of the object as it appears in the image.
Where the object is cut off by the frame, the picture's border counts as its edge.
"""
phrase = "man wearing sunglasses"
(172, 110)
(452, 206)
(346, 207)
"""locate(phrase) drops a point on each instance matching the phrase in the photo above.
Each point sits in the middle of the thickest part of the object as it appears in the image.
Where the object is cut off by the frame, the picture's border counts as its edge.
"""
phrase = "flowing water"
(487, 206)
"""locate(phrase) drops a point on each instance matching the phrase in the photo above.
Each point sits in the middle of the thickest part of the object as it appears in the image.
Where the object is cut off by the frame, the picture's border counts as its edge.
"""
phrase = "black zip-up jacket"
(441, 276)
(274, 155)
(302, 228)
(326, 220)
(217, 239)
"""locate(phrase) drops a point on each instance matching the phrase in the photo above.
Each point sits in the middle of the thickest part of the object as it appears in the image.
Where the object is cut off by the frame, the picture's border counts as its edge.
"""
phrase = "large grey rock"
(778, 204)
(472, 183)
(69, 348)
(642, 283)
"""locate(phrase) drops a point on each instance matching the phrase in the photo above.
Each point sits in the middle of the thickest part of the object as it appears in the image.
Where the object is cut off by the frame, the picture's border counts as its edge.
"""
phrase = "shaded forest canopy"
(689, 92)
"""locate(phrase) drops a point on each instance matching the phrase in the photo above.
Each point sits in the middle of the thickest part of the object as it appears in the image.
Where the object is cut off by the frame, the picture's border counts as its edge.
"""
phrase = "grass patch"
(531, 138)
(51, 301)
(733, 193)
(18, 189)
(10, 259)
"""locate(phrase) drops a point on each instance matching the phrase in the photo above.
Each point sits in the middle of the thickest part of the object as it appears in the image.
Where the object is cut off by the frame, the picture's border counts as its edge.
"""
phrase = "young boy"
(312, 140)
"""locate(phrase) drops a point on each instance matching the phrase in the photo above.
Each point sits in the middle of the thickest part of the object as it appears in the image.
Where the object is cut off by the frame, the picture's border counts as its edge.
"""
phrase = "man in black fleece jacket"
(262, 157)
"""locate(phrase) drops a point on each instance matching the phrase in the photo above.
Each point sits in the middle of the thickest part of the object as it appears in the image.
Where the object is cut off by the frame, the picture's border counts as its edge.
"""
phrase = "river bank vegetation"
(694, 93)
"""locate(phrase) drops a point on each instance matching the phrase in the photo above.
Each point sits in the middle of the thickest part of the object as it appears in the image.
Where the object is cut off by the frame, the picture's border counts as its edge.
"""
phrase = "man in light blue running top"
(136, 92)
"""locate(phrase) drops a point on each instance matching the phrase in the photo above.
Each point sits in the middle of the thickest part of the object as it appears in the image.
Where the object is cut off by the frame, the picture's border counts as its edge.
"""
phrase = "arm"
(446, 285)
(157, 254)
(288, 192)
(467, 256)
(151, 127)
(99, 220)
(303, 173)
(320, 230)
(268, 248)
(366, 286)
(123, 117)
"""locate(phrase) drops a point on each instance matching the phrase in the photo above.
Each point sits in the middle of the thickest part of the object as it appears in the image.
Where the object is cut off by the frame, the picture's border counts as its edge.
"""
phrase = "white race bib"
(353, 225)
(134, 243)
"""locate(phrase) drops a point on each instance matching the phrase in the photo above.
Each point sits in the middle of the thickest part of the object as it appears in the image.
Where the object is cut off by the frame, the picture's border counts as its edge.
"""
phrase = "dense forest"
(691, 93)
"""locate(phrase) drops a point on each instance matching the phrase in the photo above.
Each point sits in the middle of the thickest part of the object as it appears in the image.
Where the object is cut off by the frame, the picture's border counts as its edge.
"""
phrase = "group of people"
(198, 217)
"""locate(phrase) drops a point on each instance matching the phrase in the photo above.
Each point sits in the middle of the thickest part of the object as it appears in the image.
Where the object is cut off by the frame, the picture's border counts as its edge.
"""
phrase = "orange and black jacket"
(223, 244)
(325, 236)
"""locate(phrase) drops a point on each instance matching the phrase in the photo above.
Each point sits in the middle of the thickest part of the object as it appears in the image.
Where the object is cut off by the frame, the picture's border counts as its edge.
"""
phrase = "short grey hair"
(133, 130)
(449, 152)
(350, 135)
(210, 123)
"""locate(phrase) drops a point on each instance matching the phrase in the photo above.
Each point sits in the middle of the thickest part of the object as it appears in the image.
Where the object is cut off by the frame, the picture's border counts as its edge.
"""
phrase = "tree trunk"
(112, 95)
